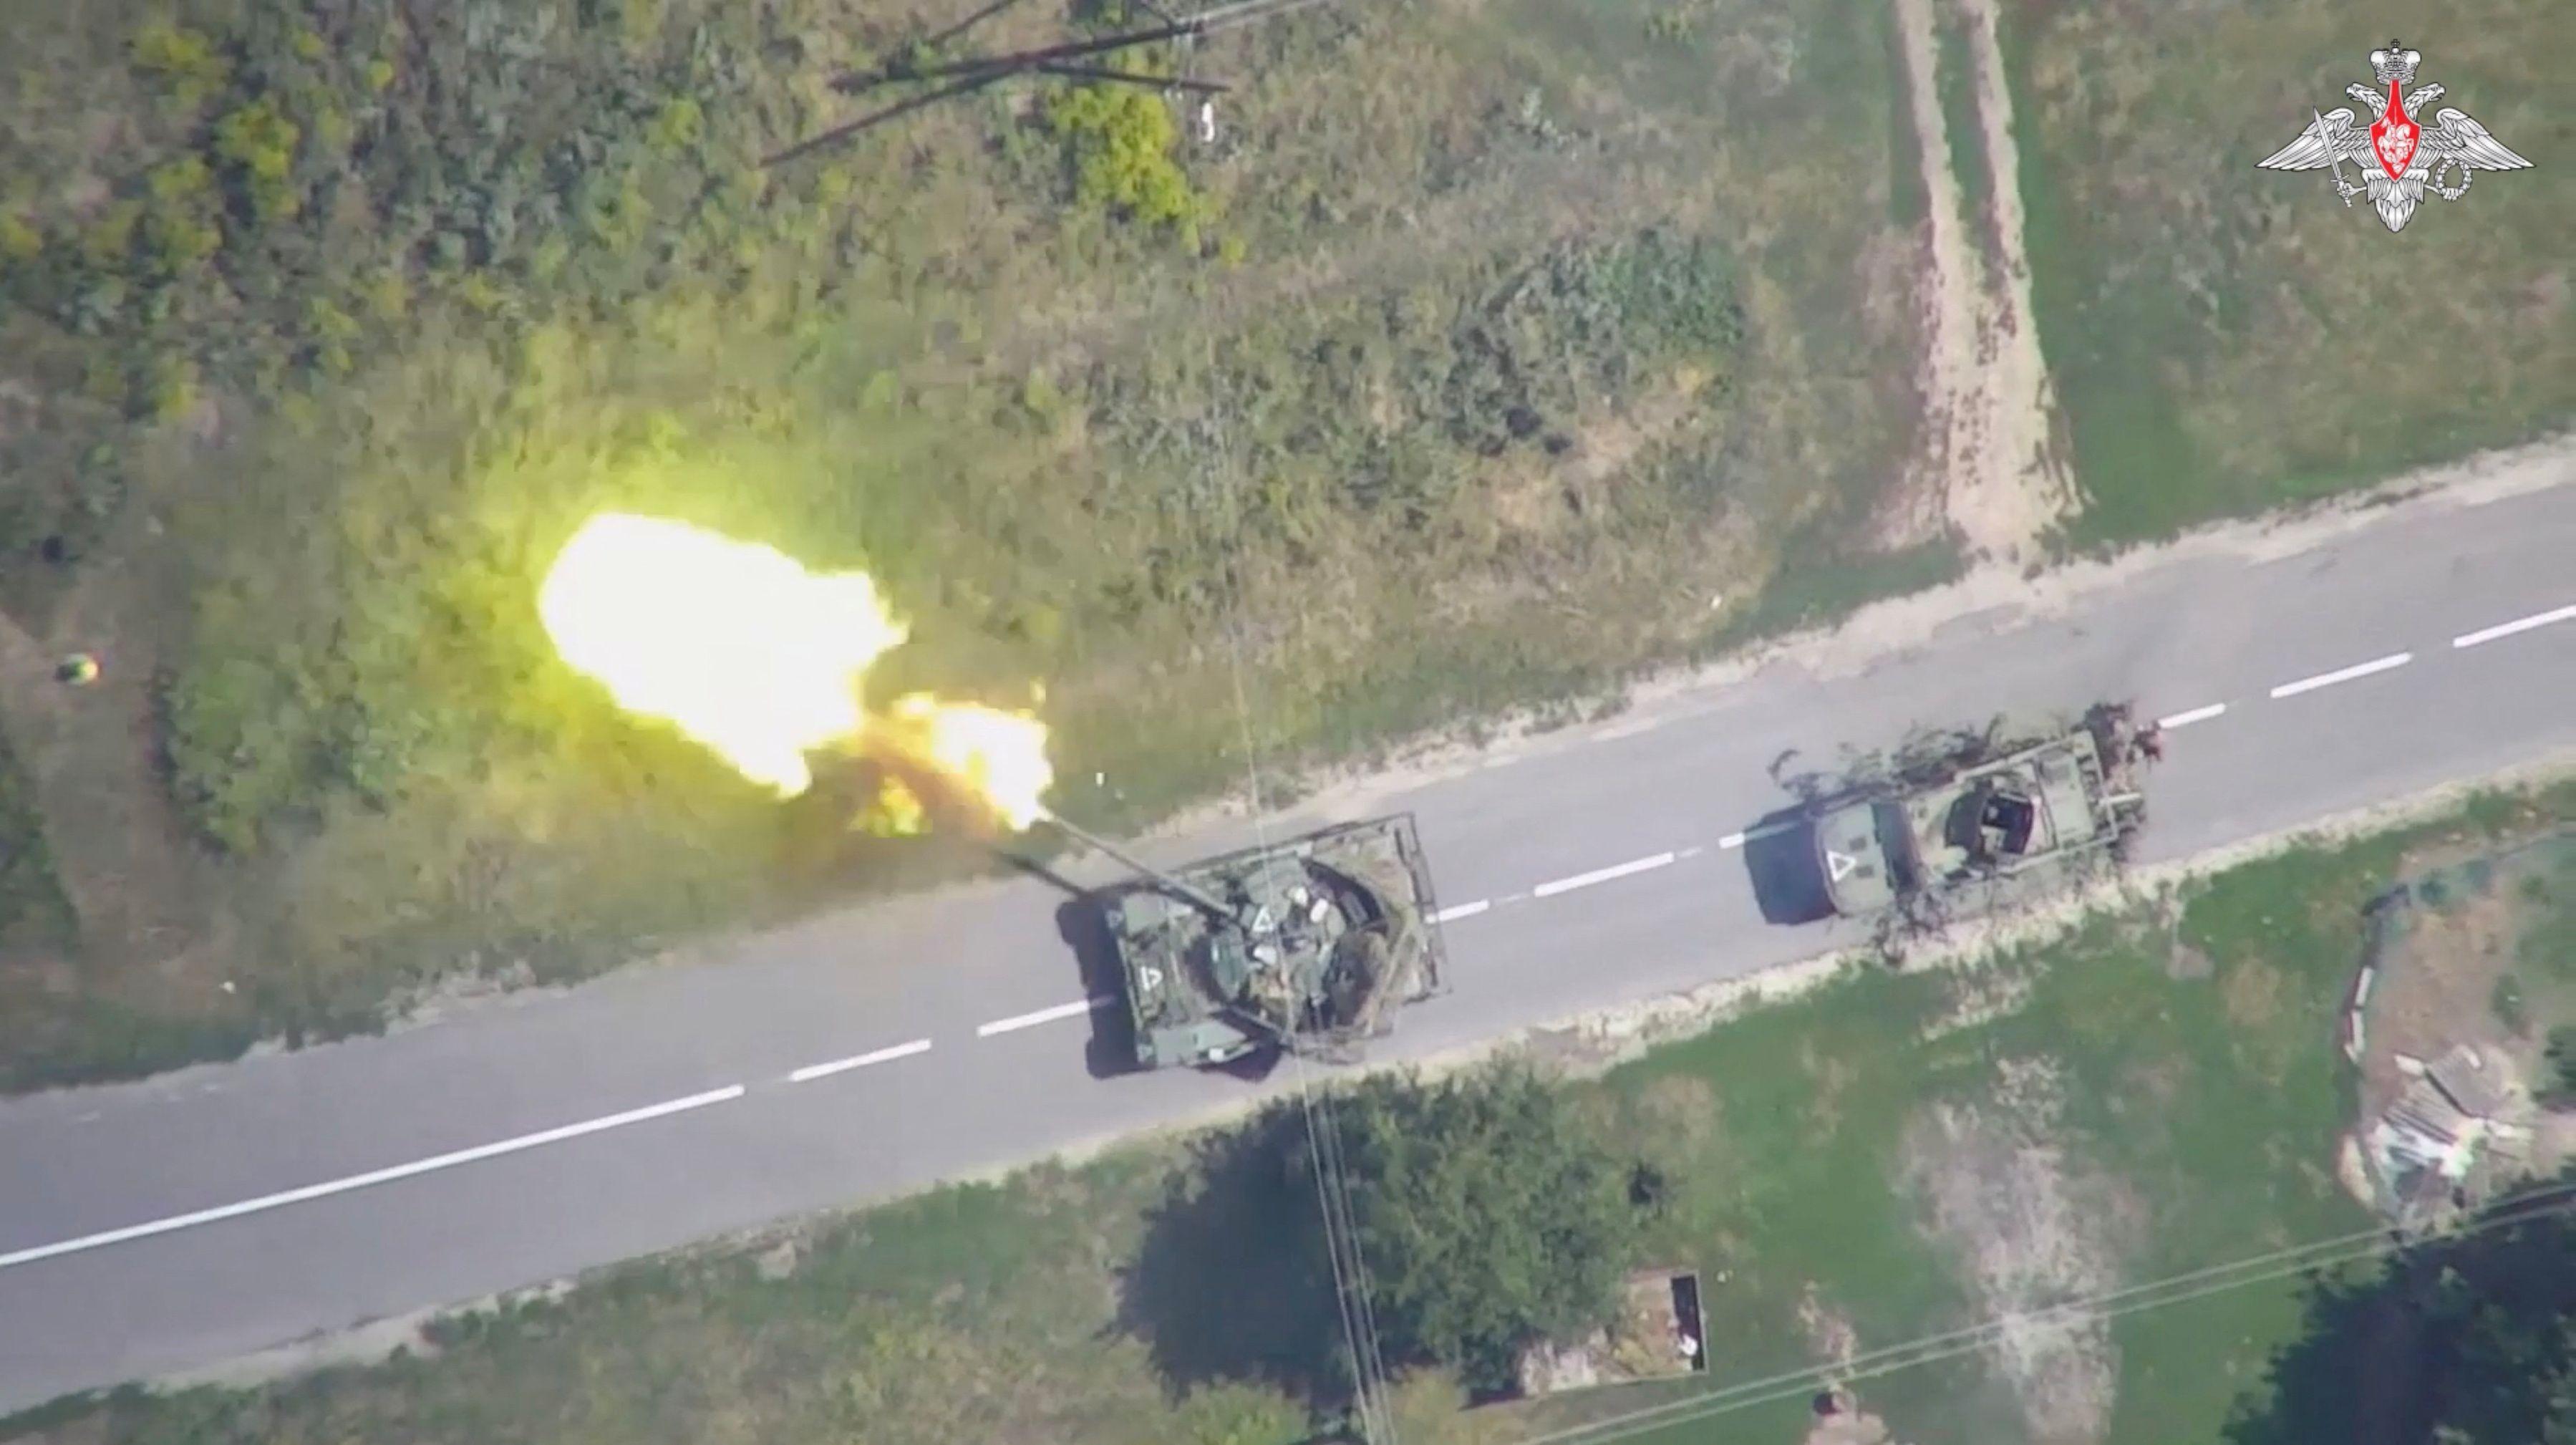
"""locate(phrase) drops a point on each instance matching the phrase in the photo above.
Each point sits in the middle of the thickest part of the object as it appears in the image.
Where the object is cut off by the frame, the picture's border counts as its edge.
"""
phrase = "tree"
(1486, 1214)
(1120, 139)
(1483, 1210)
(2560, 1089)
(2469, 1340)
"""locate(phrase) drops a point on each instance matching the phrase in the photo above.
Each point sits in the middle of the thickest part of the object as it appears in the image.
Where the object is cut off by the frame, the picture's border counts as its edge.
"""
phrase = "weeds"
(34, 914)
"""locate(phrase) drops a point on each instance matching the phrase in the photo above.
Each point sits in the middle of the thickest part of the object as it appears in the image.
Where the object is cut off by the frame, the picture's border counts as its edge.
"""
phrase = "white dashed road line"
(2344, 674)
(1731, 840)
(2189, 716)
(374, 1176)
(1461, 910)
(811, 1072)
(1043, 1016)
(2519, 624)
(1601, 875)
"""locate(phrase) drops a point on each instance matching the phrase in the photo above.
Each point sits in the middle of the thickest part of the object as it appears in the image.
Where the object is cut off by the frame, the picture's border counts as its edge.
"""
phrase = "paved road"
(503, 1147)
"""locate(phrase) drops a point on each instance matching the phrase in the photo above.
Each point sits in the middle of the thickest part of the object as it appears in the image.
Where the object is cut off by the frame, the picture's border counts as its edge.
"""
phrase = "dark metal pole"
(1130, 77)
(1025, 59)
(840, 133)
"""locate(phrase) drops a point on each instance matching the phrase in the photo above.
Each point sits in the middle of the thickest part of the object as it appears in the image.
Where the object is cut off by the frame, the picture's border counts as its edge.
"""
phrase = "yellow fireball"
(743, 650)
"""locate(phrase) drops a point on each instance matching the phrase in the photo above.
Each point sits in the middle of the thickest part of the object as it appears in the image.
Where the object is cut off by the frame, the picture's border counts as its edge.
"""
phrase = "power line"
(1951, 1344)
(1353, 1298)
(964, 76)
(1206, 22)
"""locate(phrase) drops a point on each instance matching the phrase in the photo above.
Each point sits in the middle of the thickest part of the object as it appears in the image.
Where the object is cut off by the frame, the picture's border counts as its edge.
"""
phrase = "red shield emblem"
(2394, 136)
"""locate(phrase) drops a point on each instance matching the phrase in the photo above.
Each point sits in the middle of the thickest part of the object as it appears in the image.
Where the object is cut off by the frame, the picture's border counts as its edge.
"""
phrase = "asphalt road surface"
(212, 1213)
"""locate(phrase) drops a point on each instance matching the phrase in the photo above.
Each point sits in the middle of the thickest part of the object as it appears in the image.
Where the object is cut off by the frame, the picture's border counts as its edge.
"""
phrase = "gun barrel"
(1086, 837)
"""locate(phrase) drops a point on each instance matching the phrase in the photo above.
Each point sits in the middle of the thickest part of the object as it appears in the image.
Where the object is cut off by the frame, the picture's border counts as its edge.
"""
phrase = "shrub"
(181, 59)
(260, 141)
(1120, 140)
(2560, 1090)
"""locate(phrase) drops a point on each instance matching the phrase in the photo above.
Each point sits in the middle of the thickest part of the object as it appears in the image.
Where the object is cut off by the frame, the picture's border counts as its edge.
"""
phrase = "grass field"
(1486, 347)
(2226, 339)
(1891, 1157)
(1955, 63)
(34, 915)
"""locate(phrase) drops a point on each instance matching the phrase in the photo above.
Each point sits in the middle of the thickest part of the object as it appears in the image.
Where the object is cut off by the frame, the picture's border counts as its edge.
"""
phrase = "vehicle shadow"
(1111, 1049)
(1780, 859)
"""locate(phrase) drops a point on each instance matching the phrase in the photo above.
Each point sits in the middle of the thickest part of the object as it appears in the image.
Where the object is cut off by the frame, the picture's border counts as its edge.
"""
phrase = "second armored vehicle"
(2044, 810)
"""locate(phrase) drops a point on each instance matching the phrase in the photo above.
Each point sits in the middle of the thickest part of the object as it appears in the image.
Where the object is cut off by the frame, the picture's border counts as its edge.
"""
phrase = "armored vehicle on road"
(2045, 811)
(1306, 945)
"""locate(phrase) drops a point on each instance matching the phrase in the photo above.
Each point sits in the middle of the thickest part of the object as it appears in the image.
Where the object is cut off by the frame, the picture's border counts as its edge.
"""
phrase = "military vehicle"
(2045, 811)
(1305, 945)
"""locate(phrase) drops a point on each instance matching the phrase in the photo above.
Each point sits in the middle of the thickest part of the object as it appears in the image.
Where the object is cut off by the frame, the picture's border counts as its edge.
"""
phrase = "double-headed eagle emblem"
(2399, 157)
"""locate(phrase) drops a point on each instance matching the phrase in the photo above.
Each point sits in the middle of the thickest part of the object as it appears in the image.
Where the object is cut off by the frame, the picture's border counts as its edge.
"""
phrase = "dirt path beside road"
(1989, 468)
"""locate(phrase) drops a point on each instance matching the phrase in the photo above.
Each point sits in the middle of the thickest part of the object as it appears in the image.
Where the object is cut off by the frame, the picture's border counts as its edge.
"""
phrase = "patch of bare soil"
(2028, 1235)
(1831, 1338)
(2553, 1142)
(1535, 495)
(92, 759)
(2185, 963)
(1980, 997)
(2433, 988)
(1989, 468)
(2435, 981)
(1683, 1111)
(1849, 1427)
(1830, 1334)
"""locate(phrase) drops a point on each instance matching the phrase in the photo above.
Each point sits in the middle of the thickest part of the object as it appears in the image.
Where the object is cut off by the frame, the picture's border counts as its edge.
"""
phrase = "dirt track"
(1988, 468)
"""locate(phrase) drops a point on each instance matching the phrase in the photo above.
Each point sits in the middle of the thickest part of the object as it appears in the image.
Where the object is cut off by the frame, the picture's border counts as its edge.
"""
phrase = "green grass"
(2544, 972)
(1814, 1198)
(34, 914)
(1828, 589)
(1955, 65)
(2225, 340)
(2548, 946)
(1487, 349)
(1907, 199)
(2198, 1112)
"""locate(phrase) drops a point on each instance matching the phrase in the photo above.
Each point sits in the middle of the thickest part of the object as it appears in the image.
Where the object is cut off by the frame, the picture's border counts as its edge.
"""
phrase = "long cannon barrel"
(1188, 892)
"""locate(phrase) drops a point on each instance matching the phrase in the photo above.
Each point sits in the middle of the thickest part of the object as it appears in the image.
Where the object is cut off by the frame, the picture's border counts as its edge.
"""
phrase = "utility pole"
(1065, 60)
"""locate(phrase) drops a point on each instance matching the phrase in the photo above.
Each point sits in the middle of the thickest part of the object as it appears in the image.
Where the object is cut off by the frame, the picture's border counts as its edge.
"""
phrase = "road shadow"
(1780, 858)
(1231, 1281)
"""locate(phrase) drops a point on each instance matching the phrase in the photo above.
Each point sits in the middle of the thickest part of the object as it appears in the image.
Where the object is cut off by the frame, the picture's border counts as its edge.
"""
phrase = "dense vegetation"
(1482, 1216)
(33, 910)
(1487, 1217)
